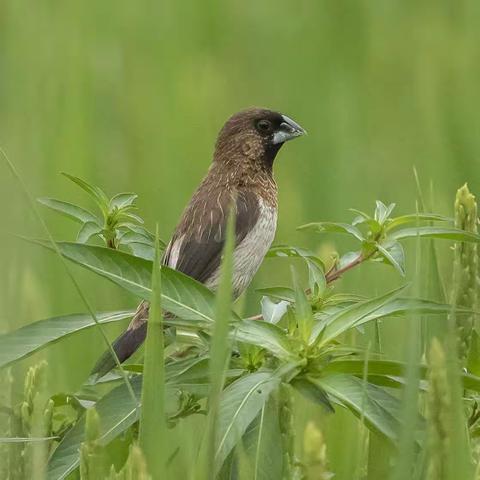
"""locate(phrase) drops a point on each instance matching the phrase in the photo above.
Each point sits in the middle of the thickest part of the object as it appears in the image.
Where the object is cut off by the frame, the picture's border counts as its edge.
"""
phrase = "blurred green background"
(130, 96)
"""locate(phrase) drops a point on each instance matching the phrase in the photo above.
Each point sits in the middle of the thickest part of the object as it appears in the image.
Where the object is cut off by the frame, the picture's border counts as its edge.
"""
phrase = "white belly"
(249, 255)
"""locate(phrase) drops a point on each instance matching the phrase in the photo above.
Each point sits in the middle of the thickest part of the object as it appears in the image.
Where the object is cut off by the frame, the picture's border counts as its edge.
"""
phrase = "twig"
(334, 274)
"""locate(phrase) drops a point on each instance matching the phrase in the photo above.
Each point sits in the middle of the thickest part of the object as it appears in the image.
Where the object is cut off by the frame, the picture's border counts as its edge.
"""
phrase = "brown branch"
(334, 274)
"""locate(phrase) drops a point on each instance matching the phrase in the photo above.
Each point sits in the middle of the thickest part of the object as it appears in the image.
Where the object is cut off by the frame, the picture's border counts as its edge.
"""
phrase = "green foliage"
(117, 226)
(245, 374)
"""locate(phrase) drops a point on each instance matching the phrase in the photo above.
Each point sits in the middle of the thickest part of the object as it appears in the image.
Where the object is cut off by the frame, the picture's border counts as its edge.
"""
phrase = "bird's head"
(255, 135)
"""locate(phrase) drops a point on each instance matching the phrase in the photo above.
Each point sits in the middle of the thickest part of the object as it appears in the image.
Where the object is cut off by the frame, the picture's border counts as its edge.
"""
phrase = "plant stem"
(334, 274)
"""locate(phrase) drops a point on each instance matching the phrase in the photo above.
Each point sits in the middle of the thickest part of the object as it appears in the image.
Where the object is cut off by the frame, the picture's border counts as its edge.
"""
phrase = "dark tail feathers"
(125, 346)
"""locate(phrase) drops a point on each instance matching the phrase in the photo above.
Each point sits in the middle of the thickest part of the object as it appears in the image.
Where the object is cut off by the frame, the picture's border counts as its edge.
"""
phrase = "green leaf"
(261, 444)
(394, 255)
(362, 215)
(134, 237)
(122, 200)
(181, 295)
(29, 339)
(389, 368)
(142, 250)
(130, 217)
(290, 251)
(316, 268)
(303, 310)
(70, 210)
(140, 230)
(241, 402)
(396, 307)
(375, 367)
(87, 231)
(280, 293)
(435, 232)
(313, 392)
(351, 316)
(380, 410)
(416, 218)
(264, 335)
(95, 192)
(273, 312)
(382, 212)
(323, 227)
(316, 277)
(411, 305)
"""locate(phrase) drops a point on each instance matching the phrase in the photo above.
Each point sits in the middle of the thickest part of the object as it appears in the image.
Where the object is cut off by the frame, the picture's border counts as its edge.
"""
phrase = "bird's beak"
(288, 130)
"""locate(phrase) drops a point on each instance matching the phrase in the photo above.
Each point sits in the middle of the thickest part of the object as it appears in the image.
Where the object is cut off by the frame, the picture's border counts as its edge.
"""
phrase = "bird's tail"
(126, 344)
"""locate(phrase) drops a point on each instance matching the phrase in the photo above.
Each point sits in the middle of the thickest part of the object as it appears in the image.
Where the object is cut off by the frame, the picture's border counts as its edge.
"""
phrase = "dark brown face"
(257, 134)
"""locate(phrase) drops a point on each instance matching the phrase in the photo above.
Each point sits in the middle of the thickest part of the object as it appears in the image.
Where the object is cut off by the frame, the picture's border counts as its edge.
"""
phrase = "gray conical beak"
(289, 129)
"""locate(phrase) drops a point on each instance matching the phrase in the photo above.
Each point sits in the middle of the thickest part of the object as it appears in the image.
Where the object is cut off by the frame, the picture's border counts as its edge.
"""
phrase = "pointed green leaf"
(313, 392)
(241, 402)
(129, 217)
(273, 312)
(435, 232)
(264, 335)
(323, 227)
(95, 192)
(280, 293)
(415, 218)
(70, 210)
(352, 316)
(181, 295)
(261, 444)
(394, 255)
(122, 200)
(29, 339)
(382, 212)
(303, 310)
(87, 231)
(380, 410)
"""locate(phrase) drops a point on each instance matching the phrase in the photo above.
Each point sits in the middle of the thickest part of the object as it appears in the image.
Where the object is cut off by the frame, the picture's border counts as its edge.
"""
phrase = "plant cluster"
(245, 374)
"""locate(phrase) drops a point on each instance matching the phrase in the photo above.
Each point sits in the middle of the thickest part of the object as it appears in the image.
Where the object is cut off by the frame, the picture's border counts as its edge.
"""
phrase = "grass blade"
(152, 422)
(220, 351)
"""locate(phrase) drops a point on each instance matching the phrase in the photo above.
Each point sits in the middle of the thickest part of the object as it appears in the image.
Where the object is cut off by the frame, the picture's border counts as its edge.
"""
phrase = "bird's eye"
(264, 126)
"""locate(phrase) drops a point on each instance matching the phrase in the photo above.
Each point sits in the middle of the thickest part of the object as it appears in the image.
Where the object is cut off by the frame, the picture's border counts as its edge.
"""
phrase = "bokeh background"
(130, 96)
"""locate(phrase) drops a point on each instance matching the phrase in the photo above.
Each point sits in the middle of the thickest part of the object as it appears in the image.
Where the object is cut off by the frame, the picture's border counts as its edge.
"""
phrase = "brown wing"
(197, 244)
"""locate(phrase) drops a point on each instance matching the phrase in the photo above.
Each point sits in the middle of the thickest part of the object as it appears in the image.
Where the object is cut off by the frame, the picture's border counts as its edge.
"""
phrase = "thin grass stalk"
(219, 353)
(405, 461)
(363, 436)
(153, 427)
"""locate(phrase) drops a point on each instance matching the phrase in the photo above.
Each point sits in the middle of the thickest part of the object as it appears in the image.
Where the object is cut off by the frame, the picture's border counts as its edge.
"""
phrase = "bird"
(241, 177)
